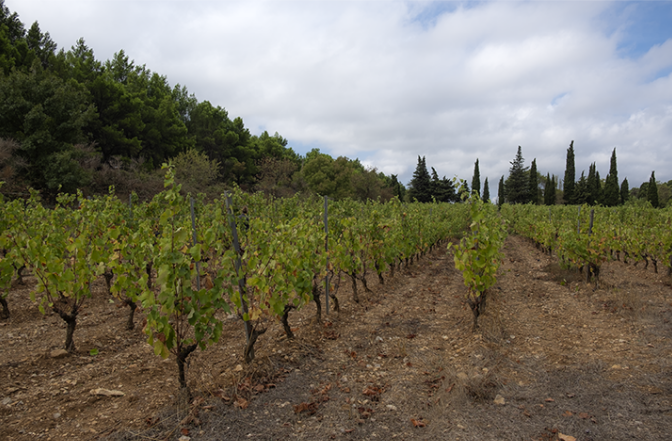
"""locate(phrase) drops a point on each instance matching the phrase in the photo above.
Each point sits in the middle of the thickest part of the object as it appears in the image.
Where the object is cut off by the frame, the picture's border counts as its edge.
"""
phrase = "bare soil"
(553, 358)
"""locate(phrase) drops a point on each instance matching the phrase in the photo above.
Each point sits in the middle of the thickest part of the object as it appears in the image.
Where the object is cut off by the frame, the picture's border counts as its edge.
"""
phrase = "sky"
(388, 81)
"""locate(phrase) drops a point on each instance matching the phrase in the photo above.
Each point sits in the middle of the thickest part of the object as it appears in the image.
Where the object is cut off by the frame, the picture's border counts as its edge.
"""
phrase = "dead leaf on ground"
(417, 422)
(241, 402)
(311, 408)
(563, 437)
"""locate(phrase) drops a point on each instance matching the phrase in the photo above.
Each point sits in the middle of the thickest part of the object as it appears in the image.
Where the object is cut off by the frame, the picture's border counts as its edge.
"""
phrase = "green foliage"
(330, 177)
(195, 171)
(625, 191)
(517, 185)
(570, 177)
(486, 192)
(442, 190)
(420, 188)
(476, 180)
(652, 191)
(180, 316)
(612, 196)
(46, 116)
(534, 183)
(550, 190)
(478, 254)
(65, 260)
(501, 192)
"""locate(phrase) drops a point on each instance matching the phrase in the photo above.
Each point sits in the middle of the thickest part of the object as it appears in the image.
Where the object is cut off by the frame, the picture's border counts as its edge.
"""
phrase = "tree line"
(69, 121)
(527, 185)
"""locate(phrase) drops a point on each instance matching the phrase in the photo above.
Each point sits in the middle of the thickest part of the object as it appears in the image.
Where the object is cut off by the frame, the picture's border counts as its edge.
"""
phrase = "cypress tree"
(486, 191)
(599, 191)
(534, 183)
(476, 180)
(547, 190)
(625, 191)
(421, 184)
(590, 187)
(500, 192)
(652, 191)
(570, 176)
(517, 185)
(612, 195)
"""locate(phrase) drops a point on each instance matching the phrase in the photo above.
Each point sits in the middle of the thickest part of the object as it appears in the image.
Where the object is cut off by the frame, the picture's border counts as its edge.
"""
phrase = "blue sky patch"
(643, 24)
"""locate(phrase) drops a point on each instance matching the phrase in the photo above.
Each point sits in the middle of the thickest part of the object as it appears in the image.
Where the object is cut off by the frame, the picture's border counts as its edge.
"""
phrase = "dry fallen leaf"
(311, 408)
(418, 422)
(241, 402)
(563, 437)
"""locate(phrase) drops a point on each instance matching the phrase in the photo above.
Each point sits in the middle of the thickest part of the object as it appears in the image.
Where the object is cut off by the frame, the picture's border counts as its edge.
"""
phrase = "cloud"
(388, 81)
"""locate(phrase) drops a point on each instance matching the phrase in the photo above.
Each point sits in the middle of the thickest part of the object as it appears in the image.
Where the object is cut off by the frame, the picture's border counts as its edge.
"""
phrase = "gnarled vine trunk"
(132, 306)
(248, 352)
(181, 361)
(355, 296)
(4, 314)
(285, 321)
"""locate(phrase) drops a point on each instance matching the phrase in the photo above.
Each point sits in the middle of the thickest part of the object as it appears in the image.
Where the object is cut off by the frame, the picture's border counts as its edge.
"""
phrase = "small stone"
(59, 353)
(462, 376)
(107, 392)
(184, 438)
(499, 400)
(392, 407)
(57, 415)
(239, 367)
(6, 401)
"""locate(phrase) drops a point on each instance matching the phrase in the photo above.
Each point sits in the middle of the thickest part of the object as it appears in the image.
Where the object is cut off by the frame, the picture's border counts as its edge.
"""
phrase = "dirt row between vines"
(553, 358)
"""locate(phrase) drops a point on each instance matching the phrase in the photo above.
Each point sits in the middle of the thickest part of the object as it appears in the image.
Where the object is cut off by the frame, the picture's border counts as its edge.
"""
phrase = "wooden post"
(241, 279)
(326, 250)
(195, 241)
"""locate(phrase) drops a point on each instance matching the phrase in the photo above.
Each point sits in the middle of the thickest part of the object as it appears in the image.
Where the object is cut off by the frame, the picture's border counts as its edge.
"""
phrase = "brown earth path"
(552, 356)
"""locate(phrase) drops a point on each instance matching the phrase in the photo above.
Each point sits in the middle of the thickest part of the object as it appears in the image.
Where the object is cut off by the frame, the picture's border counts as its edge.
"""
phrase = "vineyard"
(274, 319)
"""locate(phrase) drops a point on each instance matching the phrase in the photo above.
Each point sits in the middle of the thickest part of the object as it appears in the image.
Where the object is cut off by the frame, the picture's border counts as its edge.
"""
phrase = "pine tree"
(612, 195)
(534, 183)
(442, 189)
(476, 180)
(435, 185)
(421, 184)
(486, 191)
(652, 191)
(448, 193)
(501, 196)
(570, 176)
(625, 191)
(517, 185)
(582, 191)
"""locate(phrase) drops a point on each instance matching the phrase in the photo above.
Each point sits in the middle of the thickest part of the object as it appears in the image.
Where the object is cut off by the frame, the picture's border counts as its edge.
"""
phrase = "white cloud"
(370, 80)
